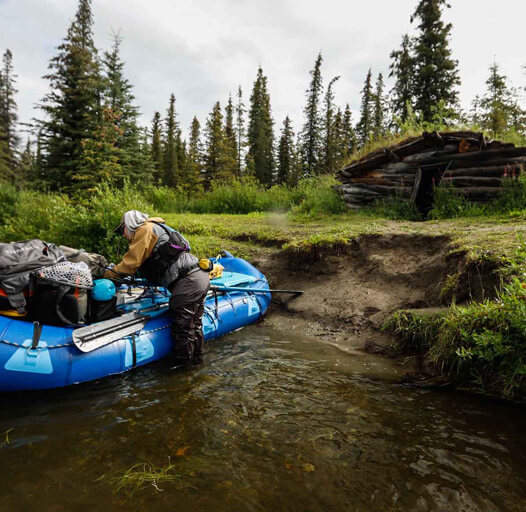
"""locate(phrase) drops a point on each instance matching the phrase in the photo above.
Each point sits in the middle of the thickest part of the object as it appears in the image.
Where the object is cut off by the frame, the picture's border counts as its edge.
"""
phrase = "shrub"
(513, 197)
(38, 215)
(92, 225)
(235, 197)
(318, 196)
(448, 205)
(88, 225)
(166, 199)
(9, 197)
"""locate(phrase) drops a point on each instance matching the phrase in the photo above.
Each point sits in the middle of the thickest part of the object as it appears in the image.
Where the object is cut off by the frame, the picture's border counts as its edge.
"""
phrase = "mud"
(349, 296)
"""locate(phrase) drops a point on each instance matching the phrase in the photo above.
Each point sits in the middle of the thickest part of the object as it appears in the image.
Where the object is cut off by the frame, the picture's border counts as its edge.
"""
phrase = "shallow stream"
(272, 421)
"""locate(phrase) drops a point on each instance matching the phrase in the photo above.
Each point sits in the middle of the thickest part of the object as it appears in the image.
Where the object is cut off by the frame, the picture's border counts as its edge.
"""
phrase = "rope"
(18, 345)
(69, 344)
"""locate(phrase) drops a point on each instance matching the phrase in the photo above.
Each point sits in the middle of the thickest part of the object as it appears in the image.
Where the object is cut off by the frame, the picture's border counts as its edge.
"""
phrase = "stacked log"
(464, 161)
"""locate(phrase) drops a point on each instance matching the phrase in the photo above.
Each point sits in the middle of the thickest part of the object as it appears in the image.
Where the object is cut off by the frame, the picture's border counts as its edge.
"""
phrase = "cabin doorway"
(423, 194)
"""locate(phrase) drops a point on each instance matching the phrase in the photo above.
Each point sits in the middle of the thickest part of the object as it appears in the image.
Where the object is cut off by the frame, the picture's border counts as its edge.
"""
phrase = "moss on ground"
(480, 238)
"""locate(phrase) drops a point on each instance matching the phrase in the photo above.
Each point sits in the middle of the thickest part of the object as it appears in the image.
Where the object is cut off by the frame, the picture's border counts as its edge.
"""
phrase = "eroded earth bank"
(350, 293)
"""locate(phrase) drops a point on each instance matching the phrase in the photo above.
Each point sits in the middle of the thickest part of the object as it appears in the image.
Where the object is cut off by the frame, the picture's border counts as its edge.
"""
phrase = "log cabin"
(466, 162)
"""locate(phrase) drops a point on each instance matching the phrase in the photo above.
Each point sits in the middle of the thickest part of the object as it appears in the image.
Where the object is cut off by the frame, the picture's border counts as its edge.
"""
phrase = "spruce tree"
(240, 130)
(296, 170)
(499, 108)
(101, 156)
(366, 123)
(9, 139)
(156, 149)
(330, 142)
(435, 71)
(260, 156)
(230, 132)
(194, 159)
(285, 153)
(219, 163)
(6, 171)
(349, 141)
(380, 107)
(72, 104)
(170, 158)
(340, 143)
(26, 166)
(180, 147)
(311, 135)
(136, 165)
(402, 70)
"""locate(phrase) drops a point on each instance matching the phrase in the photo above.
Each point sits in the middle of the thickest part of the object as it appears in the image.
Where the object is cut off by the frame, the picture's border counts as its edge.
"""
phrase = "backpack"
(164, 255)
(174, 247)
(60, 295)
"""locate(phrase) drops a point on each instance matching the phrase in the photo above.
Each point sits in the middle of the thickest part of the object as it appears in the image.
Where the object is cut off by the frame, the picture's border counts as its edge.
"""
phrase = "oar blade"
(92, 337)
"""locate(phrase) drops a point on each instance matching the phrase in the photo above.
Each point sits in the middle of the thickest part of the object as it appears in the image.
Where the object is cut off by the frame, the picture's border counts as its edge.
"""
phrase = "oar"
(220, 288)
(103, 333)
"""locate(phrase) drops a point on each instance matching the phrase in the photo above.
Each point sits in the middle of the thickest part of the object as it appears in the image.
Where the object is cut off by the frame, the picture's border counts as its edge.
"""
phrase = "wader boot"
(187, 306)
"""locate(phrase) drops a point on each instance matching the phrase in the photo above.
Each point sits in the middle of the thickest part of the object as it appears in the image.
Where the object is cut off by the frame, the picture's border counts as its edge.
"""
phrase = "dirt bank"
(349, 295)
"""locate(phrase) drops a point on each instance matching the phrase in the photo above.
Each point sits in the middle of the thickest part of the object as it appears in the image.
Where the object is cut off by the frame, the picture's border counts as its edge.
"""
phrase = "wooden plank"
(471, 181)
(431, 155)
(416, 185)
(483, 172)
(477, 193)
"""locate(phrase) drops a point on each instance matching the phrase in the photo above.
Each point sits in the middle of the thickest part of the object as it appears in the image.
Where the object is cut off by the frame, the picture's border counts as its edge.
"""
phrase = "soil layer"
(347, 297)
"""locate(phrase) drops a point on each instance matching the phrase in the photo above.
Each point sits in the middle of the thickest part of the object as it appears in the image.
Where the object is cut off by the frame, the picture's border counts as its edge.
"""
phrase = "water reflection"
(271, 421)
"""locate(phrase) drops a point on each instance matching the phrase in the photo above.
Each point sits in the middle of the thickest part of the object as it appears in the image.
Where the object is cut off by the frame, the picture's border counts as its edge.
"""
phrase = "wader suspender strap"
(134, 350)
(37, 331)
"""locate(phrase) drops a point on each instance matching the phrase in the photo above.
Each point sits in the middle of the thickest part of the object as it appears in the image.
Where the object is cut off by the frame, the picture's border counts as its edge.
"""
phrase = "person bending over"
(162, 255)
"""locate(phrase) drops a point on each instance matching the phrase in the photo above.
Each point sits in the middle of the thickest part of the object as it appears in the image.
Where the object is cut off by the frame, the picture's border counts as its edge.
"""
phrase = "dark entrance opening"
(426, 180)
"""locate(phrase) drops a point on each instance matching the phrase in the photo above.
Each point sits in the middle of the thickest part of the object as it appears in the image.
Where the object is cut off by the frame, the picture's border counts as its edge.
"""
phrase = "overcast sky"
(202, 49)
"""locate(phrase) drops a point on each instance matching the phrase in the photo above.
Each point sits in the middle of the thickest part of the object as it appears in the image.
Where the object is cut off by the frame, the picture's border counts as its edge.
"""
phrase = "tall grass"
(394, 208)
(512, 200)
(480, 346)
(89, 224)
(313, 196)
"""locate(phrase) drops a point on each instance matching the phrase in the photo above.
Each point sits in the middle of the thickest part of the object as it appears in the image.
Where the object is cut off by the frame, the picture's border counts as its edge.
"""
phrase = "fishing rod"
(220, 288)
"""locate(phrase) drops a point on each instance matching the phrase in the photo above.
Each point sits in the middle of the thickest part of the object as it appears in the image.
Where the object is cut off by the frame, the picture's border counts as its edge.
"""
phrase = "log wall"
(464, 161)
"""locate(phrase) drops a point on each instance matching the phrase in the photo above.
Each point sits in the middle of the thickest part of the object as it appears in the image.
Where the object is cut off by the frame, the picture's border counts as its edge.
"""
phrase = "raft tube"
(57, 362)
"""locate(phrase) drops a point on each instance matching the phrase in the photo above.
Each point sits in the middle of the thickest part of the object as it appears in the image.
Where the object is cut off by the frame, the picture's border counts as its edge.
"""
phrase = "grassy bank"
(480, 346)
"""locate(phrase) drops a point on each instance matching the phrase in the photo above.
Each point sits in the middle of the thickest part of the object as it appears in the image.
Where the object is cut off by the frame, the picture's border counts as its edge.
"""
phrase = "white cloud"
(202, 50)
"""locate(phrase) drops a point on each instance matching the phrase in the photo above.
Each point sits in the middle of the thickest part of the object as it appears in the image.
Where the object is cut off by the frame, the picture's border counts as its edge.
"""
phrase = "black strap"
(61, 292)
(183, 273)
(169, 233)
(134, 350)
(37, 331)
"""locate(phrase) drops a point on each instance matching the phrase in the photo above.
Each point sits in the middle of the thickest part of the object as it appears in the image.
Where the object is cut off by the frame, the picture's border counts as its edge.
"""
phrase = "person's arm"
(140, 249)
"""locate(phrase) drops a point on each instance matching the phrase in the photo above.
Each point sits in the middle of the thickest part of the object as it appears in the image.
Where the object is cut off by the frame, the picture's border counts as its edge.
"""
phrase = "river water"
(272, 421)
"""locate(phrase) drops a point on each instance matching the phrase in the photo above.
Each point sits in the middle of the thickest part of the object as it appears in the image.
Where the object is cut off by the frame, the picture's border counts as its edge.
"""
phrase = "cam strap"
(134, 349)
(37, 331)
(61, 292)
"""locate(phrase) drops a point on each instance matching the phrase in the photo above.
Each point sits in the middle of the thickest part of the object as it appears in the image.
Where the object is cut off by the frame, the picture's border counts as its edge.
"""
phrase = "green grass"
(143, 475)
(481, 346)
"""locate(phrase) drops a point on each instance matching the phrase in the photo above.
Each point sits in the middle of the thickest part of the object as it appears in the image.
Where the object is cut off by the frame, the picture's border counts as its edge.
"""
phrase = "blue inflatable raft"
(57, 362)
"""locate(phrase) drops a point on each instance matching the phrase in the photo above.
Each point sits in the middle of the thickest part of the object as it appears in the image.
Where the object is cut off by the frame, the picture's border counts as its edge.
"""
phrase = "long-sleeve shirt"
(141, 246)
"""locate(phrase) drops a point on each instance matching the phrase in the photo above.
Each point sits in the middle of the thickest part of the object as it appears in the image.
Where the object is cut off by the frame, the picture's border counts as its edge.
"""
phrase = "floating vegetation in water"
(6, 437)
(143, 475)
